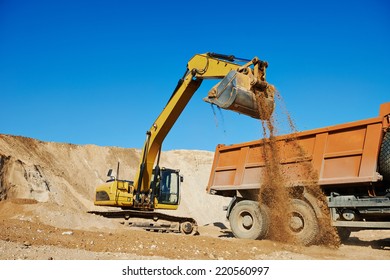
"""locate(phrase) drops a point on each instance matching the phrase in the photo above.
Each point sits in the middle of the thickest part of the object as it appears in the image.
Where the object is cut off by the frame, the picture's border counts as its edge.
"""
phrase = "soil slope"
(47, 188)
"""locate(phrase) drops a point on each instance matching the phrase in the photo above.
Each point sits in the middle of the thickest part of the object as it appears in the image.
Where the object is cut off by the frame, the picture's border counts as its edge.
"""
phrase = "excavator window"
(169, 188)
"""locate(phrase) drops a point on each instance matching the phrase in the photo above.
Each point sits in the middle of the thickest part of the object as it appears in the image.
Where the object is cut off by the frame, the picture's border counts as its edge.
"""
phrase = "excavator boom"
(242, 89)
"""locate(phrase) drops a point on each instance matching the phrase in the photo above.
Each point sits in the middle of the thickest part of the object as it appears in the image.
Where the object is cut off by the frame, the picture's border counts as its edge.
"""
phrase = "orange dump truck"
(352, 166)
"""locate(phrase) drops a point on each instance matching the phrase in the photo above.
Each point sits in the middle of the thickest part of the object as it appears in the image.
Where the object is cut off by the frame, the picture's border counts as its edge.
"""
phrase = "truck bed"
(341, 155)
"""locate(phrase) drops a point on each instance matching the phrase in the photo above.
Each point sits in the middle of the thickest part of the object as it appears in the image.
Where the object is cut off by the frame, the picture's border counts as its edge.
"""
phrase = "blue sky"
(100, 72)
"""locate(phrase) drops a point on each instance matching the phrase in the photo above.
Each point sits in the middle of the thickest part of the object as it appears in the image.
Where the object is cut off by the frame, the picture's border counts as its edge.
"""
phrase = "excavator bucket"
(243, 94)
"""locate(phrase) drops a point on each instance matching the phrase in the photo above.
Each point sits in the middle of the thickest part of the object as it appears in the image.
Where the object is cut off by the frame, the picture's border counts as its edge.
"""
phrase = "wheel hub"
(296, 223)
(247, 221)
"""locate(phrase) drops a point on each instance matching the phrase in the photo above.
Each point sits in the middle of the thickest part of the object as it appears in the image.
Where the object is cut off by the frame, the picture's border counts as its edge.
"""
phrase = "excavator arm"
(243, 89)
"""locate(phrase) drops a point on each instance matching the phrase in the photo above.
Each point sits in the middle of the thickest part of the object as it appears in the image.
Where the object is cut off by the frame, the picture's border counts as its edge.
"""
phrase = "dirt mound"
(63, 177)
(46, 189)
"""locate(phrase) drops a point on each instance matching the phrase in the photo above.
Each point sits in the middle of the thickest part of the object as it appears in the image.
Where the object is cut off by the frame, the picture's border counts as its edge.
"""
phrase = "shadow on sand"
(380, 244)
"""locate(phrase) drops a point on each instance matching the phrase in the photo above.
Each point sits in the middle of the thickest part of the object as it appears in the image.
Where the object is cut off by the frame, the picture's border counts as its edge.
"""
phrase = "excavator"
(242, 88)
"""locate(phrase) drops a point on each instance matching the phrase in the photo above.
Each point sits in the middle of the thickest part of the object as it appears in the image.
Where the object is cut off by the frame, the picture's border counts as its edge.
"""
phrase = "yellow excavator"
(243, 89)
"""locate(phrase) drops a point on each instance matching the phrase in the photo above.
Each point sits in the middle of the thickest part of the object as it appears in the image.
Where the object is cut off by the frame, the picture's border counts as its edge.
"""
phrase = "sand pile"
(62, 178)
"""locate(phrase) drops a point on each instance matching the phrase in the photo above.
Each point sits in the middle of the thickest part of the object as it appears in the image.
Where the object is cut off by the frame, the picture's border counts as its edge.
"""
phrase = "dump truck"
(352, 166)
(242, 88)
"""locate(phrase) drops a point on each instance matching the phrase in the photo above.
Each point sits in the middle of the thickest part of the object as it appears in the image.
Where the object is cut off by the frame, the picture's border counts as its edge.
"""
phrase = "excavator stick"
(241, 93)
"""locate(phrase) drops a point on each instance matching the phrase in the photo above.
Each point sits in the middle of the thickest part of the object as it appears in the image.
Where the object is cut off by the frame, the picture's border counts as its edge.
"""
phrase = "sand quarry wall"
(63, 177)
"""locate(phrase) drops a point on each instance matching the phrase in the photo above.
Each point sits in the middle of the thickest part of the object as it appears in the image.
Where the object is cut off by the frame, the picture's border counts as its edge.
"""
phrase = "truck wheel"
(303, 222)
(344, 233)
(384, 157)
(248, 220)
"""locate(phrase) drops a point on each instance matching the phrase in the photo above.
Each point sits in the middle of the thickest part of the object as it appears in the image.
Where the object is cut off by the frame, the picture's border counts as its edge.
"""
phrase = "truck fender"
(229, 208)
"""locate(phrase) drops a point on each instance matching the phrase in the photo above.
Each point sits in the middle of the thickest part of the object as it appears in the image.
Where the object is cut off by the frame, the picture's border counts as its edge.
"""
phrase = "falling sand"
(274, 192)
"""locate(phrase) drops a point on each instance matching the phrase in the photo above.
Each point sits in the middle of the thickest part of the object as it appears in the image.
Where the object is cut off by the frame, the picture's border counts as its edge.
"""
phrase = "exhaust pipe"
(244, 94)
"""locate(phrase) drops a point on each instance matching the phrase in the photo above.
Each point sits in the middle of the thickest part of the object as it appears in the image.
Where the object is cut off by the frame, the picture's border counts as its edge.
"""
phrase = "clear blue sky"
(100, 72)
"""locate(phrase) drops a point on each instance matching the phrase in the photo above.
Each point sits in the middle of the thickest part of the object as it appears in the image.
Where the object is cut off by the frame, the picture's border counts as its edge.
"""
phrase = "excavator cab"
(167, 188)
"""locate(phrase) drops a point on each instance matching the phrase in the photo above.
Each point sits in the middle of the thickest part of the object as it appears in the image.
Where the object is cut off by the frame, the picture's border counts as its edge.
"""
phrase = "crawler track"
(153, 221)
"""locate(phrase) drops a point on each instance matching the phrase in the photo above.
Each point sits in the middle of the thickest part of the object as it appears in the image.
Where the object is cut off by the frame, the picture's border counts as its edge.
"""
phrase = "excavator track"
(152, 221)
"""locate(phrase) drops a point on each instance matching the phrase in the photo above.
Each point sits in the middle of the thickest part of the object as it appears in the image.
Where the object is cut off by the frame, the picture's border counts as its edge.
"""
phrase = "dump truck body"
(345, 159)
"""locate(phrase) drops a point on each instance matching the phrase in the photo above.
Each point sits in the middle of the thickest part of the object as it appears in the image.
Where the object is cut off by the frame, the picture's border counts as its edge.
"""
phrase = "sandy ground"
(47, 188)
(24, 236)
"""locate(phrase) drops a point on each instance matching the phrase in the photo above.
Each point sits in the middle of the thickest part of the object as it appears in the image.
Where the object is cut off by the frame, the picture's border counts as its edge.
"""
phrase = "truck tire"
(384, 157)
(249, 220)
(303, 222)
